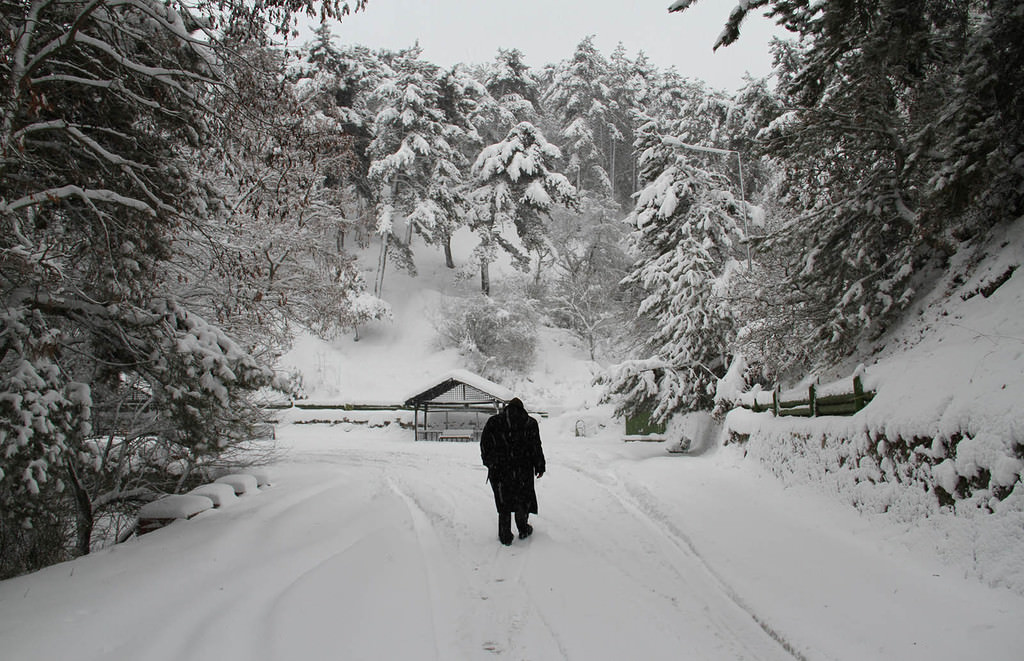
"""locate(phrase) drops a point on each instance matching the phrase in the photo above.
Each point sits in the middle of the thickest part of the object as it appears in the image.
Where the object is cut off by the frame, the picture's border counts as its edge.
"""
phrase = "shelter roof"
(460, 387)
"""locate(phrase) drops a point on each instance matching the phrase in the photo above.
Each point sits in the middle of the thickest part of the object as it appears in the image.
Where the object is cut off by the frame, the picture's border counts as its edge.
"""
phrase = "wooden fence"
(815, 403)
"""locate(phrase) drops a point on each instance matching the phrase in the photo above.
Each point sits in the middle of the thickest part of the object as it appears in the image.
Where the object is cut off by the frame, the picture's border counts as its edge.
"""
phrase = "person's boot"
(505, 528)
(525, 529)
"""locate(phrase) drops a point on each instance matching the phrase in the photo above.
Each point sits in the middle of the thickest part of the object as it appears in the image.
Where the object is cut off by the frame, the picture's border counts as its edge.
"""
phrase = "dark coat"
(510, 448)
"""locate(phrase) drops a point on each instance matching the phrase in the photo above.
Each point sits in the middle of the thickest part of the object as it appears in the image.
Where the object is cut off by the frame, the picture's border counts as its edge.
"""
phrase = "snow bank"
(241, 483)
(179, 506)
(262, 478)
(941, 446)
(899, 485)
(221, 494)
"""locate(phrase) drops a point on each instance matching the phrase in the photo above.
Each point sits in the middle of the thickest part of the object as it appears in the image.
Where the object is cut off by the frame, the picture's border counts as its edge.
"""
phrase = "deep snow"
(371, 546)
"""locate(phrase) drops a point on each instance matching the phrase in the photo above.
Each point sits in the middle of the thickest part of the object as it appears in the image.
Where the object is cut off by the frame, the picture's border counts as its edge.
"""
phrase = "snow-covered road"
(380, 548)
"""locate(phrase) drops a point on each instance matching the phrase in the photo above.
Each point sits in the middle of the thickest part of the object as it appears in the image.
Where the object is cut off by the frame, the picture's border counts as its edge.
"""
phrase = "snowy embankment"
(372, 546)
(940, 450)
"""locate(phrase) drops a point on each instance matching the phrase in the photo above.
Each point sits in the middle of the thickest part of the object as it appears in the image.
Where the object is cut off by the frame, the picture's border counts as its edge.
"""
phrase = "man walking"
(510, 448)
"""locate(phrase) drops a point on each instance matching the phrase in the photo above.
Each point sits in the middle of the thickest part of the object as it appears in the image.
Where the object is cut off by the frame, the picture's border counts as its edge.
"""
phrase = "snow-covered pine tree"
(513, 87)
(416, 157)
(902, 146)
(688, 222)
(447, 203)
(980, 181)
(578, 97)
(340, 81)
(630, 84)
(515, 184)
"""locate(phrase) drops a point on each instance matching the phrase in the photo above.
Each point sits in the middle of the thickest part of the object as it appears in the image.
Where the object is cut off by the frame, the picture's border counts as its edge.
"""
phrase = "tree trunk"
(614, 191)
(382, 263)
(83, 511)
(448, 261)
(485, 278)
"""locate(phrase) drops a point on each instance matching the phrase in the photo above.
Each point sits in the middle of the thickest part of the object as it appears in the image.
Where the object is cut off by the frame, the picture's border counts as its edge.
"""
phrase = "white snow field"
(372, 546)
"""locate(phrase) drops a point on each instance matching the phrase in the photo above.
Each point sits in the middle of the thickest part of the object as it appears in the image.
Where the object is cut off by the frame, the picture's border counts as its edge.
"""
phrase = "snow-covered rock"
(242, 483)
(221, 494)
(178, 506)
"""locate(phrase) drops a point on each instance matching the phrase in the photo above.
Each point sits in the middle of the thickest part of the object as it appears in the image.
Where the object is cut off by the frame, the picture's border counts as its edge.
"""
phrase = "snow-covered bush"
(913, 476)
(42, 414)
(494, 335)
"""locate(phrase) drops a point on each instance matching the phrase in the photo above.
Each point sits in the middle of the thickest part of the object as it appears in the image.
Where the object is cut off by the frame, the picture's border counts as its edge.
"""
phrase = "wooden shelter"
(456, 406)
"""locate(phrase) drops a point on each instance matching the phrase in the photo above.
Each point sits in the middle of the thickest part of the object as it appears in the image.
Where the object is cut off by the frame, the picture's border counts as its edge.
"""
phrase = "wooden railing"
(815, 403)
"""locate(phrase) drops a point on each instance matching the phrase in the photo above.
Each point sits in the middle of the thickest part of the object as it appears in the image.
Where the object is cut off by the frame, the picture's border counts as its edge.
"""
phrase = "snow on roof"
(470, 379)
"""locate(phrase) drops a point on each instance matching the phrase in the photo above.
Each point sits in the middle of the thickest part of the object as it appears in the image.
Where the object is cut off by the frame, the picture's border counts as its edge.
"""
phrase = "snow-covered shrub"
(729, 389)
(910, 476)
(242, 483)
(494, 335)
(364, 307)
(219, 494)
(970, 486)
(42, 414)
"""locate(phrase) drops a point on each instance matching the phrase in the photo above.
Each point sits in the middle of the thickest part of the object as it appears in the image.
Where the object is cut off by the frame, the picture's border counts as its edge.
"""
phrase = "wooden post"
(812, 400)
(416, 422)
(775, 400)
(858, 392)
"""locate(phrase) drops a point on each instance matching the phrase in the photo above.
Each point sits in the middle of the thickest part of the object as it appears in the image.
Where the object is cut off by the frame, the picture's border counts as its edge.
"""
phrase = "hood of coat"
(516, 412)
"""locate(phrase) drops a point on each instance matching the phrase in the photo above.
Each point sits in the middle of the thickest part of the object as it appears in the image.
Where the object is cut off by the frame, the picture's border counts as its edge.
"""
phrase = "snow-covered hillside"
(393, 358)
(946, 423)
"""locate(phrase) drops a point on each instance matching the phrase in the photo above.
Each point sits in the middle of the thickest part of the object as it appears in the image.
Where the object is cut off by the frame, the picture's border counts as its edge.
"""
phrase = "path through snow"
(375, 547)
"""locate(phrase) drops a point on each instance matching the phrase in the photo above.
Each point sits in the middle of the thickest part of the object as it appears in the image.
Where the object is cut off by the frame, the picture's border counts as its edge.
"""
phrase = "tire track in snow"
(248, 583)
(507, 589)
(639, 500)
(430, 551)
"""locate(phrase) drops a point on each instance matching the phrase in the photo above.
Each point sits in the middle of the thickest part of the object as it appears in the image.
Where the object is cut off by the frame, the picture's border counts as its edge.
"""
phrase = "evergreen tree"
(416, 157)
(578, 98)
(511, 96)
(338, 83)
(900, 145)
(630, 85)
(688, 230)
(515, 185)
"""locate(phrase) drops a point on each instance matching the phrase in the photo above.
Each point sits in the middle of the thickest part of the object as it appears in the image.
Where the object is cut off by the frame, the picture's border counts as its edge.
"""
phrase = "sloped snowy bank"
(940, 448)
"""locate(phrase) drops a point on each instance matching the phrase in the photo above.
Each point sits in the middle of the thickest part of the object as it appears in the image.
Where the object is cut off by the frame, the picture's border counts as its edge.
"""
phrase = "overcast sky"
(547, 31)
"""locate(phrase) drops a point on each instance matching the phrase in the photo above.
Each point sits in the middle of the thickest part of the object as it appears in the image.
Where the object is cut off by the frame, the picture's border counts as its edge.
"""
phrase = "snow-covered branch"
(63, 192)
